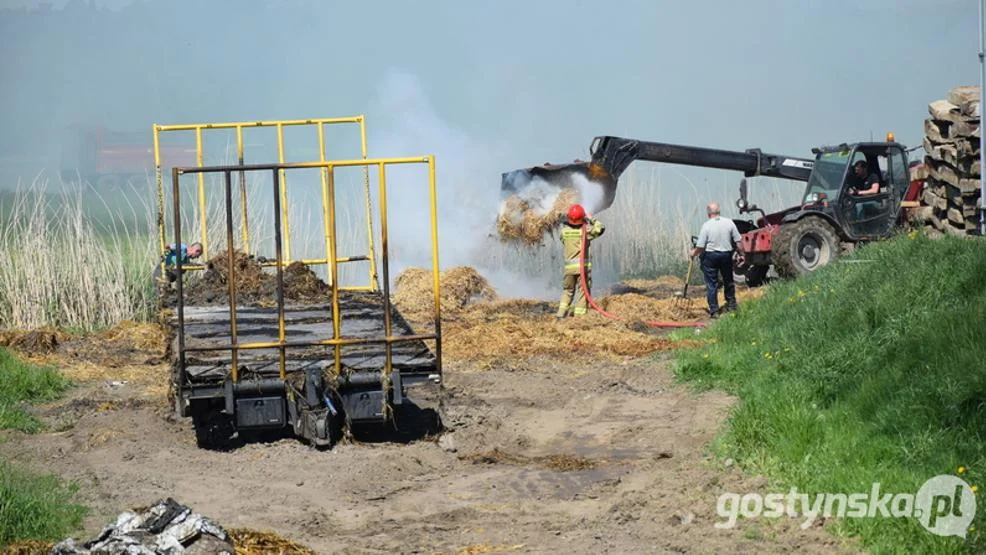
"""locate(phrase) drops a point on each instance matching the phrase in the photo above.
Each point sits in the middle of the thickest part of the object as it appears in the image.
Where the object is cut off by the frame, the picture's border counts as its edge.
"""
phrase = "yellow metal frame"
(335, 341)
(279, 125)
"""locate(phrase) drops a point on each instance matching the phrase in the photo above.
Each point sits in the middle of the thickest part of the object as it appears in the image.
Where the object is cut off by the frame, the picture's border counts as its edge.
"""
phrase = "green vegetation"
(869, 370)
(64, 264)
(36, 507)
(31, 506)
(25, 383)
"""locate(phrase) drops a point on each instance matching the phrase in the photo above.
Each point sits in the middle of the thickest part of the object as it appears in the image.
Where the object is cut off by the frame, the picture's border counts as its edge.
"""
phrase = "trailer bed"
(362, 316)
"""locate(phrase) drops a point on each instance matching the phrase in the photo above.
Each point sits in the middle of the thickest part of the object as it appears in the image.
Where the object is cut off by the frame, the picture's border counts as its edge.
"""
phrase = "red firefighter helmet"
(576, 214)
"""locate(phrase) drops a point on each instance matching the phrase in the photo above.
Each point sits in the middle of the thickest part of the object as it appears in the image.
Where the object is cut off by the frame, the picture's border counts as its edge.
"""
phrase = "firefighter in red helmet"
(571, 240)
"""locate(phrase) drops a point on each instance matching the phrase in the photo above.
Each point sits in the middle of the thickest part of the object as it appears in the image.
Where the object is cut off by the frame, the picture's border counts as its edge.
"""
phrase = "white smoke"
(590, 192)
(402, 122)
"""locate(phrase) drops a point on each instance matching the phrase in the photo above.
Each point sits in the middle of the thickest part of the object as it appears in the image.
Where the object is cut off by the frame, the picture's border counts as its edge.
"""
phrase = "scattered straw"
(526, 221)
(29, 547)
(35, 342)
(252, 542)
(245, 542)
(476, 337)
(561, 463)
(489, 333)
(139, 337)
(639, 308)
(662, 282)
(483, 548)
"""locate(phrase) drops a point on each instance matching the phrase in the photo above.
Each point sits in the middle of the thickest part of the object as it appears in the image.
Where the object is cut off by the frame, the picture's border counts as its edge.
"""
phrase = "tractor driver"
(863, 182)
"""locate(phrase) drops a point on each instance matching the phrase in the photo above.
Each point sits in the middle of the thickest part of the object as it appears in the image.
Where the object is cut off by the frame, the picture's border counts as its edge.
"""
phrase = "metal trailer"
(312, 368)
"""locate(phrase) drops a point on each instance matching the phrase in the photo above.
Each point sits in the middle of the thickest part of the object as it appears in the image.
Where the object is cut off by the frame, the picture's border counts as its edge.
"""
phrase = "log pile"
(952, 138)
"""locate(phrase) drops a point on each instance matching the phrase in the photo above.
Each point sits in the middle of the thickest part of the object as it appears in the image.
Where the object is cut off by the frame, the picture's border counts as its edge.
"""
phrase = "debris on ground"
(167, 526)
(528, 218)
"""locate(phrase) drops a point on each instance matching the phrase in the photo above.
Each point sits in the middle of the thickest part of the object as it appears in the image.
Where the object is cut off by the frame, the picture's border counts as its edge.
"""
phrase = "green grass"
(36, 506)
(866, 371)
(20, 383)
(31, 506)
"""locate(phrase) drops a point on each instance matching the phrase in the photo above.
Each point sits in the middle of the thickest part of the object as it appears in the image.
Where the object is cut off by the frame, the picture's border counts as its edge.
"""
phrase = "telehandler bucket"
(596, 186)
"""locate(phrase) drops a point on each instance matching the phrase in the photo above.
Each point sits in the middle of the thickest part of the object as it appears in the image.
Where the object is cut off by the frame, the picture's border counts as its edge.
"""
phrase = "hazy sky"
(537, 78)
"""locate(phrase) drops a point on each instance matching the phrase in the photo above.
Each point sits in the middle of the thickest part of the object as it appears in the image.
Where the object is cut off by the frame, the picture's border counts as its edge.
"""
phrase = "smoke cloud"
(406, 123)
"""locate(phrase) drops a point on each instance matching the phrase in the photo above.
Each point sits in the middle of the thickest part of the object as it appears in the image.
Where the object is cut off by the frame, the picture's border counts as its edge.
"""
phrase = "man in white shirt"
(717, 239)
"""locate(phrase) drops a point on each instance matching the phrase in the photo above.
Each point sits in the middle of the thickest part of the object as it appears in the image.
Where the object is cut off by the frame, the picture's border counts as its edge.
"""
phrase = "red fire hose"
(592, 302)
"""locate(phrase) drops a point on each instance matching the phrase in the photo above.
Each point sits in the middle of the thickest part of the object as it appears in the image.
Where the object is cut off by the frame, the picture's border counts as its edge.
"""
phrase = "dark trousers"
(714, 265)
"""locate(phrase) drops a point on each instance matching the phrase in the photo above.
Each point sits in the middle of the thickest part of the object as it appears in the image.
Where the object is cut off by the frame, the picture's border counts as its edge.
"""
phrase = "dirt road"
(606, 457)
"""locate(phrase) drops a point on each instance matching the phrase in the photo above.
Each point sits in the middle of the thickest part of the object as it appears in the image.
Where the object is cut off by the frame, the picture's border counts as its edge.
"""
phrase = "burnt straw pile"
(254, 285)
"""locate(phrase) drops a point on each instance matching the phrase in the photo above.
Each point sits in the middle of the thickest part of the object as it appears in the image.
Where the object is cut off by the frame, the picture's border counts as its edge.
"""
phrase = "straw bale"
(525, 220)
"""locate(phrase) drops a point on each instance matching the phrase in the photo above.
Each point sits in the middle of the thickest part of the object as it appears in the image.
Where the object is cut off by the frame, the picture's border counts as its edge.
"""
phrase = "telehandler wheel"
(750, 275)
(756, 276)
(804, 246)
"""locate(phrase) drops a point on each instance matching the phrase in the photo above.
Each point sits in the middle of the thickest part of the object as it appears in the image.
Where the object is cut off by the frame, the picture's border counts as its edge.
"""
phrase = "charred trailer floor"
(311, 400)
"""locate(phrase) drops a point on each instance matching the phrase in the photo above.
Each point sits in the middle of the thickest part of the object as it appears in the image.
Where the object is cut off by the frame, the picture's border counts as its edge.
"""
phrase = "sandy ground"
(540, 458)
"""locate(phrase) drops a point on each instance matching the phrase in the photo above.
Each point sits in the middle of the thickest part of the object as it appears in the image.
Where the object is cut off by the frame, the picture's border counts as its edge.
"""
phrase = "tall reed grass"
(59, 267)
(81, 257)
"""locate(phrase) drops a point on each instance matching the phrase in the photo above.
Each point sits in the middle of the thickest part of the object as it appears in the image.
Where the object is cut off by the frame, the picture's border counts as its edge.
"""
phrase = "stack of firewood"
(951, 193)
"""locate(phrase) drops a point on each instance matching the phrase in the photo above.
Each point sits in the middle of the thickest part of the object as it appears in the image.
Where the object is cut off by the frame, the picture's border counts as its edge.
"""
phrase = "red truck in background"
(107, 158)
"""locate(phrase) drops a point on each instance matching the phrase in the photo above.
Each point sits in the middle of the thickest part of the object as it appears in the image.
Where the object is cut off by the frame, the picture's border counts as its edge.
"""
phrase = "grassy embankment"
(32, 506)
(867, 371)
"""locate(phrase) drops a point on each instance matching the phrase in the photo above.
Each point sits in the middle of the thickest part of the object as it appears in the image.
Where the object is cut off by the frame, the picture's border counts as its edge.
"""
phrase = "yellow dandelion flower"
(961, 470)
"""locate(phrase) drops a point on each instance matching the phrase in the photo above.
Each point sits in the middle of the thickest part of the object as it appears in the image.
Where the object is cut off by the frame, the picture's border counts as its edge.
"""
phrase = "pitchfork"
(681, 302)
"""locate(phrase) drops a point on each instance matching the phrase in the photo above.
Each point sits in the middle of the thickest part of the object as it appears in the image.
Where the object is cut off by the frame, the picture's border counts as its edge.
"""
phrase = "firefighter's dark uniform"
(571, 239)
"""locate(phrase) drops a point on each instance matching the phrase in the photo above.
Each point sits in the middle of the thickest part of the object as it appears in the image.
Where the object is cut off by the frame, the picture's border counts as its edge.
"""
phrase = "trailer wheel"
(213, 429)
(804, 246)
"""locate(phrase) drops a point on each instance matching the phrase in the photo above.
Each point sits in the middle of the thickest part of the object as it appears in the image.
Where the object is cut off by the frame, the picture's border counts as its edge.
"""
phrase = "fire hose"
(597, 308)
